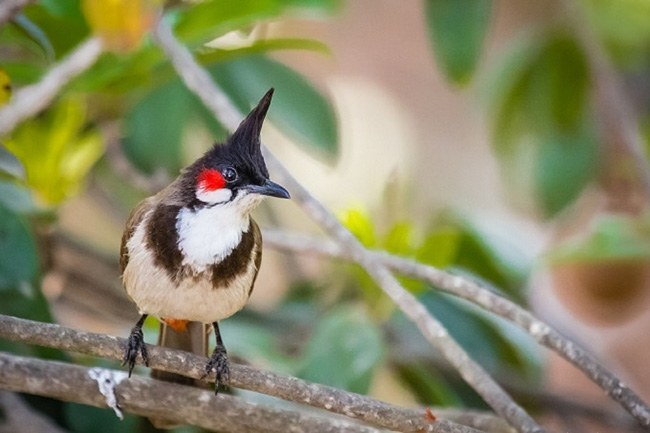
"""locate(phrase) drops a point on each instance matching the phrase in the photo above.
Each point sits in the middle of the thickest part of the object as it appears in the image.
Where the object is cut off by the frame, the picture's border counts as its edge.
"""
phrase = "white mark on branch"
(539, 329)
(641, 413)
(107, 380)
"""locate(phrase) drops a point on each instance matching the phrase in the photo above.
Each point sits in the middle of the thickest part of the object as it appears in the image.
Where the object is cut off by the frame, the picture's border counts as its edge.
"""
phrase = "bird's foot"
(218, 364)
(134, 345)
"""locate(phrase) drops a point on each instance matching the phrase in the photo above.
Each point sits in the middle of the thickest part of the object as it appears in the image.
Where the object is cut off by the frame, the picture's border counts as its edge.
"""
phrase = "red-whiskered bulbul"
(191, 253)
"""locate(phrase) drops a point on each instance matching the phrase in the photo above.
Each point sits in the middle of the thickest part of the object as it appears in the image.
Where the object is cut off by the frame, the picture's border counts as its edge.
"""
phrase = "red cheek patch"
(210, 180)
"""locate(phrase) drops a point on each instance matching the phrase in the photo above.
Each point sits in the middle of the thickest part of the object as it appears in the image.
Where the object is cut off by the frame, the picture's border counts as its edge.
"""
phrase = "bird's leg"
(134, 345)
(218, 362)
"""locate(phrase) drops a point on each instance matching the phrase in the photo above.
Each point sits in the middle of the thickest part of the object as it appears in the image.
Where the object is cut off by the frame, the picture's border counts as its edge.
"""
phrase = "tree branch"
(154, 398)
(31, 100)
(363, 408)
(474, 293)
(198, 81)
(9, 8)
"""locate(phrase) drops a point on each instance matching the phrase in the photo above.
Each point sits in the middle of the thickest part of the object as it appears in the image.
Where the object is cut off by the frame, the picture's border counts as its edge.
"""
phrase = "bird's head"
(235, 172)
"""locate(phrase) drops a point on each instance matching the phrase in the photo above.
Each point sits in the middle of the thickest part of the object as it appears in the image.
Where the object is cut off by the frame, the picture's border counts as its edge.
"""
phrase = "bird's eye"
(229, 174)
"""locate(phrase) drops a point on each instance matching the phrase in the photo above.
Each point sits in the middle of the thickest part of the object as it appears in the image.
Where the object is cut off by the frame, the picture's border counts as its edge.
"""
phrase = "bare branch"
(487, 299)
(31, 100)
(198, 81)
(363, 408)
(154, 398)
(9, 8)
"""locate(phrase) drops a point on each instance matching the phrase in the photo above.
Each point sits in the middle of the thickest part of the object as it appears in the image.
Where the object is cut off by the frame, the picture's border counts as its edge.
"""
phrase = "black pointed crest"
(247, 136)
(241, 151)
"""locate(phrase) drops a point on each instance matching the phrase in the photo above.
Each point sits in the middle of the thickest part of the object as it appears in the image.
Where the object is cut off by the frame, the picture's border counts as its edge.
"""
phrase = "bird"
(190, 254)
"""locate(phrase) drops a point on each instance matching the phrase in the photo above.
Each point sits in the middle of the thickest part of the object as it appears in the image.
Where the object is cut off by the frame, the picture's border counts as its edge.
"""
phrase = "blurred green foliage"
(457, 29)
(56, 150)
(541, 101)
(613, 238)
(343, 330)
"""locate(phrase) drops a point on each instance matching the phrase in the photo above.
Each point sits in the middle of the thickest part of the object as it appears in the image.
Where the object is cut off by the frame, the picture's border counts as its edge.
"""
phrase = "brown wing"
(131, 224)
(257, 250)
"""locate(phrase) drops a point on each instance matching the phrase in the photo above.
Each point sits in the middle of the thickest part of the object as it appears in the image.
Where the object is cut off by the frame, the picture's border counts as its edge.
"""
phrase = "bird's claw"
(218, 364)
(134, 345)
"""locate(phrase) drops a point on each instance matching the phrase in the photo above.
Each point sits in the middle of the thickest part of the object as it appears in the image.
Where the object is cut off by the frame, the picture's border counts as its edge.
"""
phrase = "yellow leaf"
(121, 23)
(5, 87)
(56, 150)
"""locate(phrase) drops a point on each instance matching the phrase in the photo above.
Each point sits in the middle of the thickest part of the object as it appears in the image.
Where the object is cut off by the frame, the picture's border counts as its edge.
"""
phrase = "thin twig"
(31, 100)
(363, 408)
(474, 293)
(154, 398)
(198, 81)
(9, 8)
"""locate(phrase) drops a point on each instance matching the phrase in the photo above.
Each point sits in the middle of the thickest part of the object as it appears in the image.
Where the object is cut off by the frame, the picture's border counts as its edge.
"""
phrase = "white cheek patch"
(214, 197)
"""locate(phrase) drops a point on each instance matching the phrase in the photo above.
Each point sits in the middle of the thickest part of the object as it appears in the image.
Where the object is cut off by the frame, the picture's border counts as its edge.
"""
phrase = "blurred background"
(502, 140)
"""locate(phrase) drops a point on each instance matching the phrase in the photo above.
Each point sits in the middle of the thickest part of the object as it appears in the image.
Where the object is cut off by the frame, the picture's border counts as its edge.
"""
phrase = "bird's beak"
(269, 188)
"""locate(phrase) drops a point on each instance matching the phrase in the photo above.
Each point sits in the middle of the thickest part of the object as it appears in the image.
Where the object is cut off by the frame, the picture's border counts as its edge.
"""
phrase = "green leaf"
(30, 305)
(507, 94)
(154, 128)
(478, 252)
(23, 73)
(543, 133)
(623, 27)
(10, 165)
(359, 223)
(429, 386)
(18, 260)
(63, 8)
(16, 198)
(457, 29)
(88, 419)
(565, 165)
(212, 18)
(213, 55)
(612, 237)
(51, 20)
(562, 67)
(398, 240)
(439, 247)
(257, 344)
(33, 32)
(499, 349)
(298, 109)
(344, 351)
(119, 73)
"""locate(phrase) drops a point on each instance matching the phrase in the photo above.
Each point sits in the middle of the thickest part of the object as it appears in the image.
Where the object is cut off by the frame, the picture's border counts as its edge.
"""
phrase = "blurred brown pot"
(603, 293)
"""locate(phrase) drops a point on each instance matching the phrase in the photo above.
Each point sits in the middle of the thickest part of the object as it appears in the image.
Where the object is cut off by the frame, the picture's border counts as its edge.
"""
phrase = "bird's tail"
(190, 337)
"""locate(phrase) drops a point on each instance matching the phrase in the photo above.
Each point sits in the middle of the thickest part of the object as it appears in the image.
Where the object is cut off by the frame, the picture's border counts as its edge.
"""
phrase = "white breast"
(205, 237)
(208, 235)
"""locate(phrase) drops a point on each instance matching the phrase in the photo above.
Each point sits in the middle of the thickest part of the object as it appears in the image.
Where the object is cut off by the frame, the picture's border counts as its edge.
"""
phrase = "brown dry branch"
(485, 298)
(9, 8)
(153, 398)
(363, 408)
(31, 100)
(199, 82)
